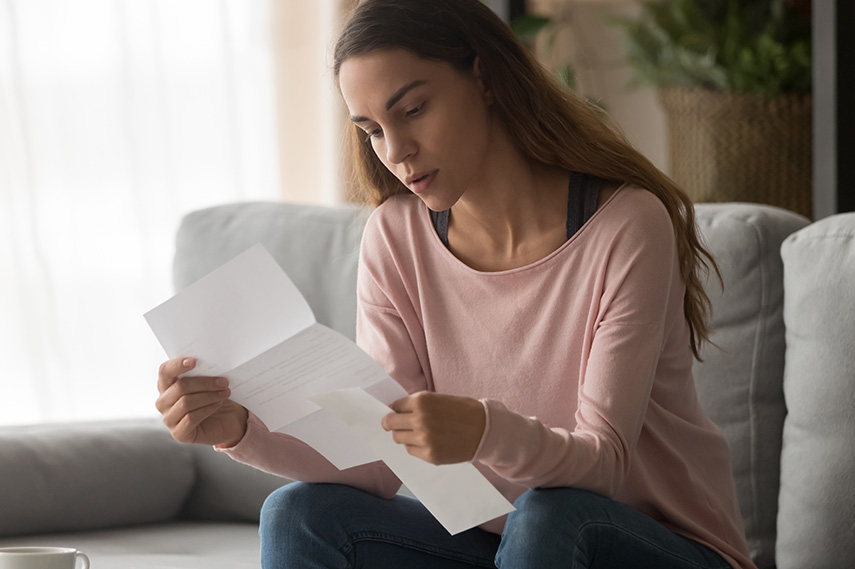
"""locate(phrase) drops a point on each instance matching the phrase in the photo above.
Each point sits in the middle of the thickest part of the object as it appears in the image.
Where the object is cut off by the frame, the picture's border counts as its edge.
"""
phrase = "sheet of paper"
(228, 317)
(248, 322)
(332, 438)
(457, 494)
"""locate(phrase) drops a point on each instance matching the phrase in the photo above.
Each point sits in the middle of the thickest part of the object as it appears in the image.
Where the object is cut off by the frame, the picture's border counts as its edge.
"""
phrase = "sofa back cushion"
(79, 477)
(816, 515)
(318, 247)
(740, 380)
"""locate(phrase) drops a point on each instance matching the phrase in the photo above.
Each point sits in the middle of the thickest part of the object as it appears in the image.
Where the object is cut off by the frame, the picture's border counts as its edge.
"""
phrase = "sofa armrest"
(816, 514)
(75, 477)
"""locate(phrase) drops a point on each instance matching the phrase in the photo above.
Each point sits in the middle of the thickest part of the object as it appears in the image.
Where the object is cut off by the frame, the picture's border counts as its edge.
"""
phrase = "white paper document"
(248, 322)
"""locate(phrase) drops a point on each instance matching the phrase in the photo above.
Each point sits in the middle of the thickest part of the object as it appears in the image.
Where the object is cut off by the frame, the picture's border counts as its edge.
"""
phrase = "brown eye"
(369, 134)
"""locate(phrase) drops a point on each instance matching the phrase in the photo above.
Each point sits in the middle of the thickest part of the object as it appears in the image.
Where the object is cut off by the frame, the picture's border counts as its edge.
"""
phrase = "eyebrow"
(393, 100)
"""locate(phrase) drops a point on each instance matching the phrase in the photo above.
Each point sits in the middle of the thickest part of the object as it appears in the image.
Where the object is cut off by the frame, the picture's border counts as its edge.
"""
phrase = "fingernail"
(187, 363)
(222, 382)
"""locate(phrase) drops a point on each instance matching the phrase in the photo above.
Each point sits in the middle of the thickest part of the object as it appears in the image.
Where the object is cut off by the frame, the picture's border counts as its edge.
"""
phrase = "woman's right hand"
(198, 409)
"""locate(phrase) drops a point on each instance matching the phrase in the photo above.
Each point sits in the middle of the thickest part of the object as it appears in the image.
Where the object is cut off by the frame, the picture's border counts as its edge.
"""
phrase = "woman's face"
(428, 122)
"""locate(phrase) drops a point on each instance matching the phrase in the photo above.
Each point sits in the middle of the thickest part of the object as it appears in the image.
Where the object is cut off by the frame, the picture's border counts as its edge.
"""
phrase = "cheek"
(473, 119)
(469, 134)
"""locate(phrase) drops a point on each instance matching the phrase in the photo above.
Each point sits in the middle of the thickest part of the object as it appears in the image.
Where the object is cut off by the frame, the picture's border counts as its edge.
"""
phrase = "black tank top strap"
(582, 204)
(440, 223)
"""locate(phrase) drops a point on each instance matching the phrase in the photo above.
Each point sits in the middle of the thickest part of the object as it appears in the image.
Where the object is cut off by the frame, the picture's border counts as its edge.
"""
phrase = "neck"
(517, 204)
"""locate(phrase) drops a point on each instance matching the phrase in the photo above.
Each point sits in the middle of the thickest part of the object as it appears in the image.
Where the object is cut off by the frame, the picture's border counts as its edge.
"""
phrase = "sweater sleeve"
(641, 274)
(388, 326)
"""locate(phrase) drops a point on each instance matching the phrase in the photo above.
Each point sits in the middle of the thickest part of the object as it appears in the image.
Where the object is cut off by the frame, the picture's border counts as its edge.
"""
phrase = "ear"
(476, 72)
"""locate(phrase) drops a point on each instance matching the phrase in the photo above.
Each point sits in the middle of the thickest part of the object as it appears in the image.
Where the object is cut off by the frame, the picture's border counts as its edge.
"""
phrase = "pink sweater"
(581, 360)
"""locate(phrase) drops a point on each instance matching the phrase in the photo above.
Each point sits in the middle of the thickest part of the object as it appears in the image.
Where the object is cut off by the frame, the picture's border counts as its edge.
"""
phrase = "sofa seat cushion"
(188, 545)
(88, 476)
(816, 515)
(740, 380)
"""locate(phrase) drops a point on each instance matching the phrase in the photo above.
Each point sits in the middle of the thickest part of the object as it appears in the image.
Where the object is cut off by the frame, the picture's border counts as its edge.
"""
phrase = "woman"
(533, 282)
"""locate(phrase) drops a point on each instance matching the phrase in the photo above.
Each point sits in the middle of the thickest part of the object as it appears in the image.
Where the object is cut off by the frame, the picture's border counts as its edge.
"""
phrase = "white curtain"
(117, 117)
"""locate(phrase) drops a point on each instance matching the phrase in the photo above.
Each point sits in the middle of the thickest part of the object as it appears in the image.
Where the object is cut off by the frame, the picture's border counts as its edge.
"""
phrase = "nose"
(399, 146)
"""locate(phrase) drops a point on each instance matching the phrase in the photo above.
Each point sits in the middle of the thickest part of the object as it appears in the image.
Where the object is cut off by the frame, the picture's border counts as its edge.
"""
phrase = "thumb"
(404, 405)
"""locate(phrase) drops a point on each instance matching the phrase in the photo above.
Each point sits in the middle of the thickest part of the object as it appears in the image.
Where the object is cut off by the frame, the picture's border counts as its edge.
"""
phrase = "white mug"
(41, 558)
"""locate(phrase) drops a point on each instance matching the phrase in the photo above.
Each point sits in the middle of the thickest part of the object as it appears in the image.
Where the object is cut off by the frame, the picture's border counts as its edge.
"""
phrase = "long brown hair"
(548, 123)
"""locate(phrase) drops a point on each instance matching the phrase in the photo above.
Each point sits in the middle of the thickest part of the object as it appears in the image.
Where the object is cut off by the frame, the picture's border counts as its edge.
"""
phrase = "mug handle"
(82, 557)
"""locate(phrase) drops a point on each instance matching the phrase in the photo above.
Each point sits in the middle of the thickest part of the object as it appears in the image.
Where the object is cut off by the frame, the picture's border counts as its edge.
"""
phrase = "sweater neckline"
(437, 243)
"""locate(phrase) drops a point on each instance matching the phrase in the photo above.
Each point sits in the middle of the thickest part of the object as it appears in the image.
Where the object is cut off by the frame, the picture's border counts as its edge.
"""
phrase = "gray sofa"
(780, 383)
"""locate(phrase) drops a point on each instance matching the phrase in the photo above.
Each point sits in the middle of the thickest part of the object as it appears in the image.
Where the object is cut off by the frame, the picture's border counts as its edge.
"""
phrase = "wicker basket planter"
(741, 147)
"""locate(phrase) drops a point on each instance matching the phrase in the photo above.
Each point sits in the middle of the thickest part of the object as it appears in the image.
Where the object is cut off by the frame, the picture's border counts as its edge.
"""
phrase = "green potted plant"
(734, 78)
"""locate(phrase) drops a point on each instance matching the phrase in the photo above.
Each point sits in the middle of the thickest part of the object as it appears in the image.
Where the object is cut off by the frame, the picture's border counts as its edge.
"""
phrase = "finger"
(408, 438)
(185, 430)
(412, 402)
(398, 422)
(171, 369)
(188, 386)
(173, 414)
(189, 403)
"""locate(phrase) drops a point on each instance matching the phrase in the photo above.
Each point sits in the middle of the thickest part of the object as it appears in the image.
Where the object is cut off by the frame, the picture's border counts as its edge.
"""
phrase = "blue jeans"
(330, 526)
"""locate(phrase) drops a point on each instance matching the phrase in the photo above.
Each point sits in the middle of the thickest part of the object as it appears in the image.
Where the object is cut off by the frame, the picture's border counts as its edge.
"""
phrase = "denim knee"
(298, 527)
(544, 507)
(294, 507)
(568, 527)
(545, 525)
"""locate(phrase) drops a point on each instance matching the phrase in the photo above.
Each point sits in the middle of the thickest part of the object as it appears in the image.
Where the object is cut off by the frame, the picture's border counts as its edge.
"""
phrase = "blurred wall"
(310, 113)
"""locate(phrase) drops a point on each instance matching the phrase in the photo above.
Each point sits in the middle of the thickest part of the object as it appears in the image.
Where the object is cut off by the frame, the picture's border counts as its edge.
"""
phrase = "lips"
(419, 182)
(416, 177)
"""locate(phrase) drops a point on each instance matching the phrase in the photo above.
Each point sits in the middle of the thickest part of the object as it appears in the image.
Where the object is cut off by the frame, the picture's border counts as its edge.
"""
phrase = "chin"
(435, 204)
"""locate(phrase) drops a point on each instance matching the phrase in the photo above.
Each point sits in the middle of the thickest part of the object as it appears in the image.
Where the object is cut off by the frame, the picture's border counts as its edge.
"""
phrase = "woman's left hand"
(437, 428)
